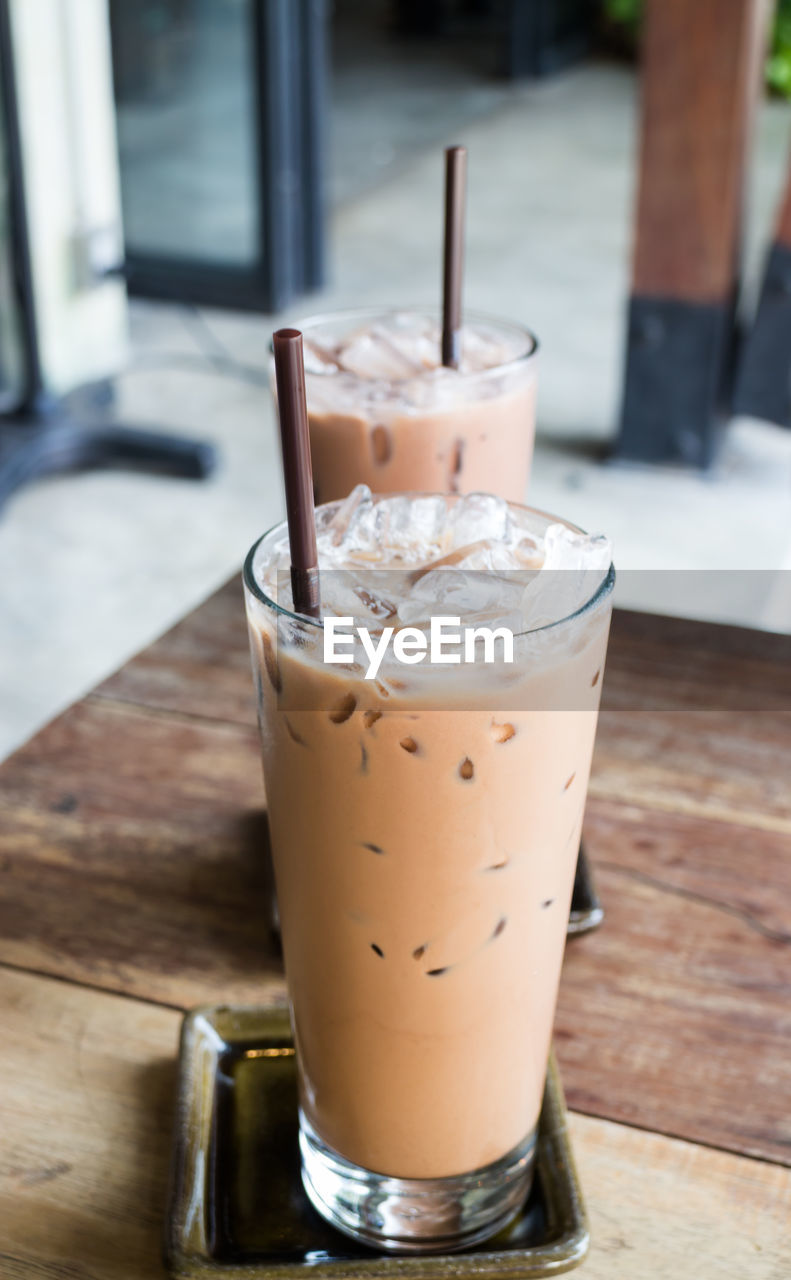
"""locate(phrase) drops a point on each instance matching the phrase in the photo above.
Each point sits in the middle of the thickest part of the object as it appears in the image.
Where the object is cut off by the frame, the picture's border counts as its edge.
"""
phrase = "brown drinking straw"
(453, 258)
(298, 472)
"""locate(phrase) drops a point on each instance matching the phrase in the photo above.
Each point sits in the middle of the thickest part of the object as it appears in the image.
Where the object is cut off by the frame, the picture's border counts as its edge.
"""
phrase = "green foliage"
(778, 68)
(624, 13)
(627, 14)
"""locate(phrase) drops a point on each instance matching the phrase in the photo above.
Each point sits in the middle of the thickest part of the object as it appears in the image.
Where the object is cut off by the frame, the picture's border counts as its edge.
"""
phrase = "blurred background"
(177, 177)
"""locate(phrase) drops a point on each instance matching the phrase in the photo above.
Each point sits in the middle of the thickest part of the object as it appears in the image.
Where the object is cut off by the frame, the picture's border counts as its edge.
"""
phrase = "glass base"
(414, 1215)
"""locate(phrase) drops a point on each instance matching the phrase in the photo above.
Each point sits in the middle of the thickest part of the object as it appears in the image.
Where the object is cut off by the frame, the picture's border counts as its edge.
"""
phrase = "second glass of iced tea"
(384, 412)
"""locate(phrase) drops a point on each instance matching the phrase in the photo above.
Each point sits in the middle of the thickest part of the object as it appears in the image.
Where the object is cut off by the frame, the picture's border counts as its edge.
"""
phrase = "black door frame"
(22, 270)
(288, 41)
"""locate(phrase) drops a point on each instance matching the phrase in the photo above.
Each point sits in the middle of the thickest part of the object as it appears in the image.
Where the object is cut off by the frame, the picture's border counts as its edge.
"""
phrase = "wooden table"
(133, 887)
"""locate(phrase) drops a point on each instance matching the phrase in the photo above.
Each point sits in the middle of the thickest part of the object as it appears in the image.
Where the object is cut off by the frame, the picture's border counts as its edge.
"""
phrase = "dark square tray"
(237, 1208)
(586, 910)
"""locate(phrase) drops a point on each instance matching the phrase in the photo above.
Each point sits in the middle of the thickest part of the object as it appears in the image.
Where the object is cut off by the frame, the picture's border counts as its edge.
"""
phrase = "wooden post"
(702, 65)
(763, 376)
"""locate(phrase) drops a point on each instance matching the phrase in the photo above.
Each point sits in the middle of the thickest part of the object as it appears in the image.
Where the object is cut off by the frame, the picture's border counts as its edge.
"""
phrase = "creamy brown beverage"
(425, 824)
(384, 412)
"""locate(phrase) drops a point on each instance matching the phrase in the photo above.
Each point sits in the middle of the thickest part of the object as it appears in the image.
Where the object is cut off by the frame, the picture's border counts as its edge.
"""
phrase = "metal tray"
(586, 910)
(237, 1208)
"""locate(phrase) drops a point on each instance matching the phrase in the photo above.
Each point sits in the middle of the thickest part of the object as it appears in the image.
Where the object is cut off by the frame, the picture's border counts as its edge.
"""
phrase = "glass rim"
(433, 311)
(603, 589)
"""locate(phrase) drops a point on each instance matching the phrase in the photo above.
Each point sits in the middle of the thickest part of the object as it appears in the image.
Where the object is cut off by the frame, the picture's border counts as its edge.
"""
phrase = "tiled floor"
(95, 566)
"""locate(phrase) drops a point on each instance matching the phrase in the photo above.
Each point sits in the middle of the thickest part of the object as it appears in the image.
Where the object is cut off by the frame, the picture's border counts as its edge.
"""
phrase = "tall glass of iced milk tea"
(385, 412)
(425, 818)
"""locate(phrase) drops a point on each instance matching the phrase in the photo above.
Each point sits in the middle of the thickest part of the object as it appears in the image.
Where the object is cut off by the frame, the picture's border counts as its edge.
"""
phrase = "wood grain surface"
(134, 851)
(700, 84)
(86, 1113)
(200, 667)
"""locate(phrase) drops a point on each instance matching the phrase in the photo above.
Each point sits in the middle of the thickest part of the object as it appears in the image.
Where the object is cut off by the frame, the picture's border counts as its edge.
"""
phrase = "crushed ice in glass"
(474, 557)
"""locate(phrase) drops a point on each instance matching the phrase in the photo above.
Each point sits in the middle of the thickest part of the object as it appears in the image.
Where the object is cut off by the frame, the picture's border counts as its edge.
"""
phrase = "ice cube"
(574, 567)
(479, 351)
(528, 552)
(318, 357)
(339, 527)
(478, 517)
(419, 348)
(485, 348)
(494, 556)
(474, 597)
(429, 521)
(394, 521)
(371, 353)
(565, 549)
